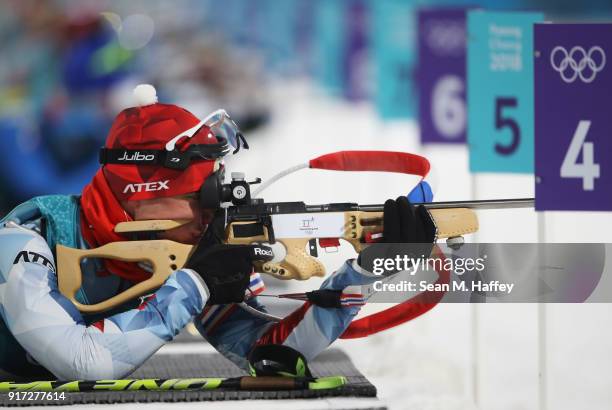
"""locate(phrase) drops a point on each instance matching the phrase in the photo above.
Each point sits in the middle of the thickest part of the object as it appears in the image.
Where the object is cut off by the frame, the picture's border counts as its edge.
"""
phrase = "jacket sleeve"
(309, 329)
(52, 330)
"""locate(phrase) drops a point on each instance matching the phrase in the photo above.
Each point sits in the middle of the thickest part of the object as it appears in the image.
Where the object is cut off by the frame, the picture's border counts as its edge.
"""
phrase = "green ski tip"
(331, 382)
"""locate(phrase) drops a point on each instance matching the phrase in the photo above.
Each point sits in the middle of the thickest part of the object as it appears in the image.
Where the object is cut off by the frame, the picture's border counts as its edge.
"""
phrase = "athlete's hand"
(408, 231)
(405, 223)
(226, 269)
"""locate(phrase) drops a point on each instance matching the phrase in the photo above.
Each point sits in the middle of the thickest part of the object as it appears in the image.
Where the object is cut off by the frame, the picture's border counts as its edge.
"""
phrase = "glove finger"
(241, 287)
(411, 229)
(428, 223)
(391, 227)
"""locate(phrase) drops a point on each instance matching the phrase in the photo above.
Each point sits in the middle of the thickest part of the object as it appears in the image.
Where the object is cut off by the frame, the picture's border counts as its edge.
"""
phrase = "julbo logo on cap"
(137, 156)
(147, 186)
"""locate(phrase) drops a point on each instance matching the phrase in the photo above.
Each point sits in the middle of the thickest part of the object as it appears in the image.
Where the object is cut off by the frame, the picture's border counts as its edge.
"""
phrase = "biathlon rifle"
(294, 224)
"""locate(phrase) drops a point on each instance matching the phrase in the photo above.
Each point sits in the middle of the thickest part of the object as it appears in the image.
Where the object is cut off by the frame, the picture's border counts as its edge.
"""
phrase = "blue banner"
(394, 47)
(329, 44)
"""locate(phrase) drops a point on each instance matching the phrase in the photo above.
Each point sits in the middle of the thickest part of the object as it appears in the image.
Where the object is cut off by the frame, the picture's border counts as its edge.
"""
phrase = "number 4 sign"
(573, 120)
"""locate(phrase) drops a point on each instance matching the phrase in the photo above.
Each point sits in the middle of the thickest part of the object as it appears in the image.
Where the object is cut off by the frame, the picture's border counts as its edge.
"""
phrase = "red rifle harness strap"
(385, 161)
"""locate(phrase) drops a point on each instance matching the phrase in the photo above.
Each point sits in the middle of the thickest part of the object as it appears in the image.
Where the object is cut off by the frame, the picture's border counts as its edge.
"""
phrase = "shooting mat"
(162, 366)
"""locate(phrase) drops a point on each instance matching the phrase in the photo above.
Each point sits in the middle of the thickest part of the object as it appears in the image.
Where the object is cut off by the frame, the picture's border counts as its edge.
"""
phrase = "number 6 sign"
(573, 119)
(442, 45)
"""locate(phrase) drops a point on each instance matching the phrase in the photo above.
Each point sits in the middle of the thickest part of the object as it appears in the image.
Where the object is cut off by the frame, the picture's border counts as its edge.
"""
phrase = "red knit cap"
(150, 127)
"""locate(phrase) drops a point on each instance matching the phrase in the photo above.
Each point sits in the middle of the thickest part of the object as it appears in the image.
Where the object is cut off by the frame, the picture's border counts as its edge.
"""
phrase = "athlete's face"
(181, 207)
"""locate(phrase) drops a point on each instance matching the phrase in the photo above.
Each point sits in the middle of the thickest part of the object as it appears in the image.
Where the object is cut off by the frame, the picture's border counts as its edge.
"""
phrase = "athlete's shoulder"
(19, 244)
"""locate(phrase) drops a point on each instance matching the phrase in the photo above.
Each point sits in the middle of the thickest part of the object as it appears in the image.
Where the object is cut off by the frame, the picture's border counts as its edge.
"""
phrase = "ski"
(205, 383)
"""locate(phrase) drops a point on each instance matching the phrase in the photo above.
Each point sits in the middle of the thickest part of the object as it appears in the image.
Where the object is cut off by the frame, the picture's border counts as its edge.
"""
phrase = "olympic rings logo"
(578, 63)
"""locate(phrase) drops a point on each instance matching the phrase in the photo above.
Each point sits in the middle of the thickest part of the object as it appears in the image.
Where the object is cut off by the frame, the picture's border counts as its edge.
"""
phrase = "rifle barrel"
(477, 204)
(248, 212)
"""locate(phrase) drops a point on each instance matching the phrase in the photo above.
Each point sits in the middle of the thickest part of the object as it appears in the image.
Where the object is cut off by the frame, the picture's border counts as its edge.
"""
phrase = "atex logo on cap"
(146, 187)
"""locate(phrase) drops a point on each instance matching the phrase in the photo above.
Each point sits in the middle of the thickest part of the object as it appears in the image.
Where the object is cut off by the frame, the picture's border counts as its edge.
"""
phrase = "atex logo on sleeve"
(147, 186)
(28, 256)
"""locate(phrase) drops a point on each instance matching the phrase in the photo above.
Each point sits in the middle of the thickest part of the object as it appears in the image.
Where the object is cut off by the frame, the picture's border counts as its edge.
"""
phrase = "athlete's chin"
(193, 241)
(186, 239)
(189, 241)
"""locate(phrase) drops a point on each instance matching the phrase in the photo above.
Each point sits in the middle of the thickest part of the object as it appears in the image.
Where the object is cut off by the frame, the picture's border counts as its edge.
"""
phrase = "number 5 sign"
(573, 118)
(500, 90)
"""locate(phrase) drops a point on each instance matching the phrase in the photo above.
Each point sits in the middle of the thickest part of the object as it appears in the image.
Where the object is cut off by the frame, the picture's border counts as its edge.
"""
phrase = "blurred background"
(304, 78)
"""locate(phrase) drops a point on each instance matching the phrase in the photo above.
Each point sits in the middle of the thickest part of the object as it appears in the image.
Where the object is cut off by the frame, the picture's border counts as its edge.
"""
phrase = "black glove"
(226, 269)
(409, 229)
(404, 223)
(215, 230)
